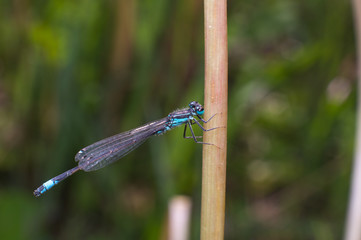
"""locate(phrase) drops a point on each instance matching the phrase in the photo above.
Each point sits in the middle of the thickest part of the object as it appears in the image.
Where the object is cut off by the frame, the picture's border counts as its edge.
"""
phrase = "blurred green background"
(74, 72)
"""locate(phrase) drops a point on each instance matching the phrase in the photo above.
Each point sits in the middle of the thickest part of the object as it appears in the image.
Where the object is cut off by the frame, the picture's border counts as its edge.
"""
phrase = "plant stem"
(214, 156)
(353, 223)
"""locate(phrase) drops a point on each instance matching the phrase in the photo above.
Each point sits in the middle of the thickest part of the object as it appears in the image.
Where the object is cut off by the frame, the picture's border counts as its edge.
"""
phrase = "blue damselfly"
(111, 149)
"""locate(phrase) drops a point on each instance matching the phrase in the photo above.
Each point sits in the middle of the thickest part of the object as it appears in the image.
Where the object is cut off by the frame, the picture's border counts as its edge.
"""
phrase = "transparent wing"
(111, 149)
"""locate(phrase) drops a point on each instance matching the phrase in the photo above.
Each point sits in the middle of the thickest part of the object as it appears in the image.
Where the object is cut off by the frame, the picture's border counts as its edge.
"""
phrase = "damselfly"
(111, 149)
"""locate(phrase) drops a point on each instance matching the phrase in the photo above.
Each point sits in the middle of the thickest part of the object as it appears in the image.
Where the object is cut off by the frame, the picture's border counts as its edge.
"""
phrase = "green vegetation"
(73, 72)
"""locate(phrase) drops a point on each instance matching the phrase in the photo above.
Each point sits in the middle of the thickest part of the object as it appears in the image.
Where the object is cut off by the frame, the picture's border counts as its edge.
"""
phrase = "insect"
(111, 149)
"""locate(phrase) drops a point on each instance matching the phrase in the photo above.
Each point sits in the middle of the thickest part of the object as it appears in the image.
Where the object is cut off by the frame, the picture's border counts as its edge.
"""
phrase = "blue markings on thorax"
(179, 121)
(175, 121)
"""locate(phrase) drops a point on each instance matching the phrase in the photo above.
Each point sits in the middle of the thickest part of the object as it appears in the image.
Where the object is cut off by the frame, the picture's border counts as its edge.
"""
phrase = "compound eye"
(192, 104)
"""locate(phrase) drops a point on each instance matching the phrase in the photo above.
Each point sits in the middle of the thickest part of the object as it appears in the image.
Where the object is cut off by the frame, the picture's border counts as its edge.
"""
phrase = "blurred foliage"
(73, 72)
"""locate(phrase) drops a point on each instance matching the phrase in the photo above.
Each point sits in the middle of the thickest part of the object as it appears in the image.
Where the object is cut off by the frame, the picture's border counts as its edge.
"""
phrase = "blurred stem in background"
(353, 223)
(214, 157)
(74, 72)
